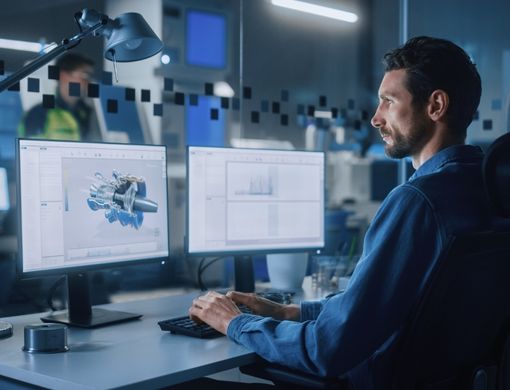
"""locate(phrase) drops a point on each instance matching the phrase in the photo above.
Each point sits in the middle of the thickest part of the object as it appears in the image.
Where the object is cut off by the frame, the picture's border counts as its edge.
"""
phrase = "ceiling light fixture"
(13, 44)
(319, 10)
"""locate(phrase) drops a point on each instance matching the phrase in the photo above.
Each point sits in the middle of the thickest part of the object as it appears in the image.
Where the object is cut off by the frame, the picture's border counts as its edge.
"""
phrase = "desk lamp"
(128, 38)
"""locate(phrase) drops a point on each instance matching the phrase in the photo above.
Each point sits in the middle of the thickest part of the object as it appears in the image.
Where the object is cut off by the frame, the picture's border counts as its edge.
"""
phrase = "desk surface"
(134, 354)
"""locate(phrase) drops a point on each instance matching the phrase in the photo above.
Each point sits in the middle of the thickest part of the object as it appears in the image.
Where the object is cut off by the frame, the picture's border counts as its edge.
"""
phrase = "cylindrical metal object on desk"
(45, 338)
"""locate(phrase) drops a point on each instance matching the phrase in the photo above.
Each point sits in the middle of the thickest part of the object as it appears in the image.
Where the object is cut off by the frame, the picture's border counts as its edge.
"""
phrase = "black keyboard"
(186, 326)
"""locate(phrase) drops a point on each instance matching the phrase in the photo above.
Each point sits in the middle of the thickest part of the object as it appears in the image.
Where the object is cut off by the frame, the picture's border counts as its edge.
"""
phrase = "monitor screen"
(250, 200)
(206, 43)
(91, 204)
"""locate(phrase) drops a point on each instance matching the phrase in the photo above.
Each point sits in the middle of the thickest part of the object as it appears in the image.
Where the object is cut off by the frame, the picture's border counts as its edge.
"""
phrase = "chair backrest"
(463, 318)
(496, 169)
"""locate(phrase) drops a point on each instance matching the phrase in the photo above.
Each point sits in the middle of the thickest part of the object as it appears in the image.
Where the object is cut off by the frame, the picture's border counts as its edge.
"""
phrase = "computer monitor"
(88, 206)
(248, 201)
(206, 38)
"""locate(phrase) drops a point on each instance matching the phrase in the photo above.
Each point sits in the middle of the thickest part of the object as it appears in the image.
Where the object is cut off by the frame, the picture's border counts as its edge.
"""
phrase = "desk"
(134, 354)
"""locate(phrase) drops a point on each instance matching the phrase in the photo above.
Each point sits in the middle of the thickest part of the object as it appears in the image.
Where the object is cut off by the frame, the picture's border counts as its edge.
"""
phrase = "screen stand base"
(80, 312)
(98, 317)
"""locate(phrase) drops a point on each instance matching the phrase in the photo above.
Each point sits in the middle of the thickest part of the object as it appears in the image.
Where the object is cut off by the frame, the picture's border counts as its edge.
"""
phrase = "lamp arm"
(65, 45)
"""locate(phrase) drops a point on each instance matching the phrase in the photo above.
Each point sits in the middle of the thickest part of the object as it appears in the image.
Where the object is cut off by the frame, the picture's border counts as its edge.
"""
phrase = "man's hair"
(72, 61)
(433, 63)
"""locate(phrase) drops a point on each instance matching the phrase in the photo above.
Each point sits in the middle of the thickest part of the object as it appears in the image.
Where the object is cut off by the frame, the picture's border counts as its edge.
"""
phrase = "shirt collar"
(451, 154)
(61, 103)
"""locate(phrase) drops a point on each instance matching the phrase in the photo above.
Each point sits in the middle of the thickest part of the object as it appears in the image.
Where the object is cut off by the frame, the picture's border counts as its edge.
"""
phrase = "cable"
(202, 268)
(51, 292)
(199, 274)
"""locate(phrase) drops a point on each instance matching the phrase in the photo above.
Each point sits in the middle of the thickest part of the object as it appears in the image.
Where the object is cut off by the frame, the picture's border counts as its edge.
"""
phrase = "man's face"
(403, 127)
(81, 75)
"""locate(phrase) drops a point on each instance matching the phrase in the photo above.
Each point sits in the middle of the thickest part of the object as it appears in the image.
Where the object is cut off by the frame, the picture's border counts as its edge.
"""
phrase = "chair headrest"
(496, 172)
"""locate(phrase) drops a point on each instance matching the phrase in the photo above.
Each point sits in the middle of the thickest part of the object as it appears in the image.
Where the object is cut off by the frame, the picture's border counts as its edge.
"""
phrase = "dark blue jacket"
(353, 333)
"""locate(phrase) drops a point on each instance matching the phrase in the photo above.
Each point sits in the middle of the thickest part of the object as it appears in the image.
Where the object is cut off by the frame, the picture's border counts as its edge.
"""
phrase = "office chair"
(496, 168)
(458, 336)
(455, 338)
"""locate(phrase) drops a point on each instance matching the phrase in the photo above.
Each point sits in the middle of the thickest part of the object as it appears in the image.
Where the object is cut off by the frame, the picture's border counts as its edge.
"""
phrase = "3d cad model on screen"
(123, 198)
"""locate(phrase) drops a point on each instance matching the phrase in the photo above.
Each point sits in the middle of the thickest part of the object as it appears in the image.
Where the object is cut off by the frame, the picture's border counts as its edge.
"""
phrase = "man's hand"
(215, 309)
(265, 307)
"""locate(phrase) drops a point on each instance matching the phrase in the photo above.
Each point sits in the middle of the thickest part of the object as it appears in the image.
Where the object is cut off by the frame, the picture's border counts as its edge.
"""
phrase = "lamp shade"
(131, 39)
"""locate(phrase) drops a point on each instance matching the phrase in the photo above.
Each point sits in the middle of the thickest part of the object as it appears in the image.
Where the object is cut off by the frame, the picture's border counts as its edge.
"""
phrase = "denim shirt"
(352, 334)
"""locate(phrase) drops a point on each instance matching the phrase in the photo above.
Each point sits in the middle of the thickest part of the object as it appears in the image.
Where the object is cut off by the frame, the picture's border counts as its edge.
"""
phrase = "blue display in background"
(206, 34)
(200, 129)
(4, 190)
(11, 113)
(125, 118)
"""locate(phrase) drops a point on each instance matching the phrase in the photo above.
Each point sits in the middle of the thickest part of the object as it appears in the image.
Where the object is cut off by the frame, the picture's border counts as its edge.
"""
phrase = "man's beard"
(404, 146)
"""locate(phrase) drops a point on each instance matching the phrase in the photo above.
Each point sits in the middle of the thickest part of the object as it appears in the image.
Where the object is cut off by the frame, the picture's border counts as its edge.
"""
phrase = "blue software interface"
(206, 39)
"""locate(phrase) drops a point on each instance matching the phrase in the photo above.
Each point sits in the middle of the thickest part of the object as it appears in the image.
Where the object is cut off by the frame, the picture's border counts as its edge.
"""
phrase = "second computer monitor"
(244, 201)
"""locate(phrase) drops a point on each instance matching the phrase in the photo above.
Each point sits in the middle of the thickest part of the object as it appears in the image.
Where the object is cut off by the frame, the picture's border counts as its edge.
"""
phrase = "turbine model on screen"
(123, 198)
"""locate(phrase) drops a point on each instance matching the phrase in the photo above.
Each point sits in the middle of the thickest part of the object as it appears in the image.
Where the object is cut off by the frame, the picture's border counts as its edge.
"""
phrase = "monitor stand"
(244, 279)
(80, 312)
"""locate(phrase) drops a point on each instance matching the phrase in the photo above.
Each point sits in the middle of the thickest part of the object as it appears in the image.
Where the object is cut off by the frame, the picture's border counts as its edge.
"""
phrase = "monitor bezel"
(88, 267)
(248, 252)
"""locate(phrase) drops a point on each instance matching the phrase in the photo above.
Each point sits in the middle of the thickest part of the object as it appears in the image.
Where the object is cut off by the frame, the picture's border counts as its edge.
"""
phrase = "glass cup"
(331, 273)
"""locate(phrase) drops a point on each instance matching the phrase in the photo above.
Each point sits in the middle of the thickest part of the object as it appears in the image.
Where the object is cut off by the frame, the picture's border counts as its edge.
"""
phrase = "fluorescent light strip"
(314, 9)
(13, 44)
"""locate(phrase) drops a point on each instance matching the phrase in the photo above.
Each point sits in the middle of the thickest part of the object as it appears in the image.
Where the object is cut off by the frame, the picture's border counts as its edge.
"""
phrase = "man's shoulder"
(37, 110)
(34, 120)
(459, 191)
(456, 178)
(402, 200)
(436, 187)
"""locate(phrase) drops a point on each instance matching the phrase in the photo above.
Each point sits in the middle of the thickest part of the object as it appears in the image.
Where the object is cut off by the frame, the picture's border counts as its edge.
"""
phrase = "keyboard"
(186, 326)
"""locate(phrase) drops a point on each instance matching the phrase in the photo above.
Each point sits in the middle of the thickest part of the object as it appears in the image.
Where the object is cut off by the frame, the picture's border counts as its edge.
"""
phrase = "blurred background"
(238, 73)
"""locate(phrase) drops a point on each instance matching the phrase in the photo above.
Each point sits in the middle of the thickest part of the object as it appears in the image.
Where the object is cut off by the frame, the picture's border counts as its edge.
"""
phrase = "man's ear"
(438, 105)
